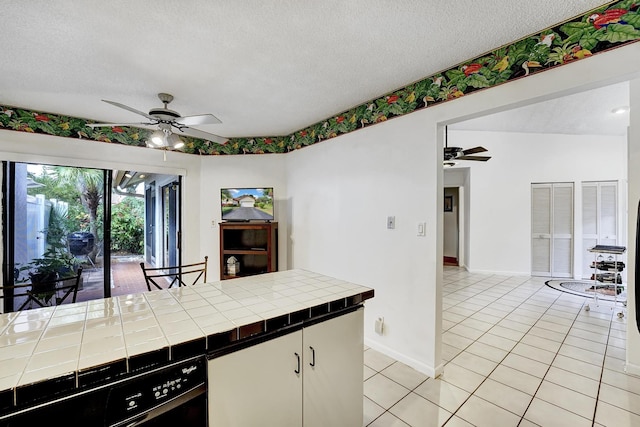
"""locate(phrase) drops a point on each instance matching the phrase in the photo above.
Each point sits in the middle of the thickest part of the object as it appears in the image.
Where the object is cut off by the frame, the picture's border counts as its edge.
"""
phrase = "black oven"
(174, 394)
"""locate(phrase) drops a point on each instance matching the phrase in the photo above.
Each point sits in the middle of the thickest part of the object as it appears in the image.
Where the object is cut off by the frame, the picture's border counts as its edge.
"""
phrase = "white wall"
(218, 172)
(341, 192)
(500, 201)
(633, 335)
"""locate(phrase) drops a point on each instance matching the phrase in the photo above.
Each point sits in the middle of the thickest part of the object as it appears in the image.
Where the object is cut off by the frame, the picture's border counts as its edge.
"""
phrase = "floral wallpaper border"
(610, 26)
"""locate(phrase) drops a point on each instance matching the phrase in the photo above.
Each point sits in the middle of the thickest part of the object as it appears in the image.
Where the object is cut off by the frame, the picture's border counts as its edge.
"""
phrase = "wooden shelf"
(253, 244)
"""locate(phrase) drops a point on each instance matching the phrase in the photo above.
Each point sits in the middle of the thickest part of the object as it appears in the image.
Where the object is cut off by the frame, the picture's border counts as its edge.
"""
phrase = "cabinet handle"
(313, 356)
(297, 371)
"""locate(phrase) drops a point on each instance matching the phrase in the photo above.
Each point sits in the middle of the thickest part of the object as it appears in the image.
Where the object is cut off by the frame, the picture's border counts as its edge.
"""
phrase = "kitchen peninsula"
(54, 352)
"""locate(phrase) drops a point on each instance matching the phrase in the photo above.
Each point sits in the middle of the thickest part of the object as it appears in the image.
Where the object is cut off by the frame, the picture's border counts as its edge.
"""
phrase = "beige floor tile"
(474, 363)
(609, 415)
(442, 393)
(367, 372)
(573, 381)
(527, 423)
(524, 364)
(388, 420)
(614, 364)
(534, 353)
(516, 326)
(458, 422)
(419, 412)
(371, 410)
(504, 396)
(461, 377)
(481, 413)
(547, 334)
(620, 398)
(487, 351)
(548, 415)
(577, 367)
(383, 391)
(404, 375)
(568, 399)
(477, 324)
(456, 340)
(496, 341)
(581, 354)
(466, 331)
(585, 344)
(516, 379)
(621, 380)
(540, 342)
(376, 360)
(449, 352)
(504, 332)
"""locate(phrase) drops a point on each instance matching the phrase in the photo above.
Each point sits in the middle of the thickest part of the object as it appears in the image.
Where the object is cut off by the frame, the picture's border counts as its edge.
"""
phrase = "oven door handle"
(163, 408)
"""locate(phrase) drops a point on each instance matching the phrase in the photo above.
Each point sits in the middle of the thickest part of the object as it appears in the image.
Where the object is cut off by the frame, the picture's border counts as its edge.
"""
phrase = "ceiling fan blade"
(100, 125)
(474, 150)
(133, 110)
(201, 119)
(196, 133)
(477, 158)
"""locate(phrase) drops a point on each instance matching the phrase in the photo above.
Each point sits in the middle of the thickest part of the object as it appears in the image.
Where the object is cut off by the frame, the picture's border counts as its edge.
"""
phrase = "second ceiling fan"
(453, 154)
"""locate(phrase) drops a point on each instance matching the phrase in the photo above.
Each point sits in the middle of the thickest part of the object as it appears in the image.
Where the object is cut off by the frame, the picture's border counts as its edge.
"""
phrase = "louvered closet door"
(541, 229)
(552, 230)
(562, 238)
(599, 219)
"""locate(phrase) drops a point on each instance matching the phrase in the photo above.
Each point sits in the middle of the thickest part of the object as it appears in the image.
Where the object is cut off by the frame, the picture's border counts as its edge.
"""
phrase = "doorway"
(451, 227)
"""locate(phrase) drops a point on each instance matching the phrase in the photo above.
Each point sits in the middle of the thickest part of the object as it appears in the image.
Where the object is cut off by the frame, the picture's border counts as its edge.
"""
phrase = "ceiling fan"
(452, 154)
(170, 123)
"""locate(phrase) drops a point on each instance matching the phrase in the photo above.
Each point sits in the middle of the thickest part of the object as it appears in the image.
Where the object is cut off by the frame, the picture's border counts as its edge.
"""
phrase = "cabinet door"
(333, 377)
(257, 386)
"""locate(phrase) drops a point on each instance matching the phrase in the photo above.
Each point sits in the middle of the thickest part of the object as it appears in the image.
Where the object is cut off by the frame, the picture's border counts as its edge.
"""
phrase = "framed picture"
(448, 203)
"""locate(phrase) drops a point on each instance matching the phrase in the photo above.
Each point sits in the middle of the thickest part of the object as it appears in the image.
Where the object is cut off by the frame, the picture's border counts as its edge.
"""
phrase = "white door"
(333, 377)
(552, 229)
(599, 219)
(258, 386)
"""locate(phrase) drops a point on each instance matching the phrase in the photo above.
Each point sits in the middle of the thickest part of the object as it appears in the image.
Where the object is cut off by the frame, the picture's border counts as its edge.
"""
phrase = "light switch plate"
(391, 222)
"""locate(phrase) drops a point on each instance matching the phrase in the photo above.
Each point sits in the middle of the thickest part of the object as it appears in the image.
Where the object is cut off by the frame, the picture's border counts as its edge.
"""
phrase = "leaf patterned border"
(610, 26)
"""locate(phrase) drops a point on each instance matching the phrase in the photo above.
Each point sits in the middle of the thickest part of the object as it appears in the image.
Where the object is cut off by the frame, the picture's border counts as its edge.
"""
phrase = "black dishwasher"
(174, 394)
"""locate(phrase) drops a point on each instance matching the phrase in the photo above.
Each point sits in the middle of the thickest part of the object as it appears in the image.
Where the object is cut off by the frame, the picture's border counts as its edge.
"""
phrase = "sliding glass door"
(62, 218)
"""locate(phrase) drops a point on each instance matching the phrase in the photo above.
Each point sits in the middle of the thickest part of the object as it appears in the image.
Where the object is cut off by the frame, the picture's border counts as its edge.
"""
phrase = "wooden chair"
(48, 293)
(175, 273)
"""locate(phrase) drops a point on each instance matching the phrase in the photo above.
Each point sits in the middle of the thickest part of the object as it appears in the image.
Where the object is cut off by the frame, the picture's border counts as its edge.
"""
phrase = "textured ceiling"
(588, 112)
(263, 68)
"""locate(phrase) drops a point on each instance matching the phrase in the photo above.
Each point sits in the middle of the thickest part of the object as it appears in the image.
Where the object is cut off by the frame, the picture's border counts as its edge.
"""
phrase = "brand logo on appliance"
(189, 369)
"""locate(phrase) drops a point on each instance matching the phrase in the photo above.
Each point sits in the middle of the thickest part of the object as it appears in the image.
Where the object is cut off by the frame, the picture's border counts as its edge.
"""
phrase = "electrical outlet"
(379, 325)
(391, 222)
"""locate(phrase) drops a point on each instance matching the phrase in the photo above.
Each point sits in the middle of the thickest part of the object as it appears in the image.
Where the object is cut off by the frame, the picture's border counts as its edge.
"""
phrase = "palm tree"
(89, 183)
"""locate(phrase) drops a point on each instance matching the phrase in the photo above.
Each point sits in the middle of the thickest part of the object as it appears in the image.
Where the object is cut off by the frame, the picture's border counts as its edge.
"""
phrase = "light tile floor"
(516, 353)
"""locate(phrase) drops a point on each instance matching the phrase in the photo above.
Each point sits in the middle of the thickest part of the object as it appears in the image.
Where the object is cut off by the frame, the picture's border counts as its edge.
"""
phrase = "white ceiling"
(584, 113)
(263, 68)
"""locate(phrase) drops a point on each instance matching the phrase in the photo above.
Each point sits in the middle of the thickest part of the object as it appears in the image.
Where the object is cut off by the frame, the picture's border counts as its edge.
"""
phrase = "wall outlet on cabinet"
(379, 325)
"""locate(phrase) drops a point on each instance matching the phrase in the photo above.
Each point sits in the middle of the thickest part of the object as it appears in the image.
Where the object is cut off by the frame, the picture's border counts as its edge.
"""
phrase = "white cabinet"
(311, 377)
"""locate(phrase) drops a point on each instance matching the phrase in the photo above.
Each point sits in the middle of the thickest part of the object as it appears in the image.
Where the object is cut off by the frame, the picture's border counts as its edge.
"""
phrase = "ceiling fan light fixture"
(174, 141)
(158, 138)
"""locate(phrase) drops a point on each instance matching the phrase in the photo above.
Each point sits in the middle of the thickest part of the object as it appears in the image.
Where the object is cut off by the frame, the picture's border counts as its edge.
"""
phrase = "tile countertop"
(69, 344)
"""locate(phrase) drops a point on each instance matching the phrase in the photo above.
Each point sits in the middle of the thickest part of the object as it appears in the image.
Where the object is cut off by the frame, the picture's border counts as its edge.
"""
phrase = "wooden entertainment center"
(253, 244)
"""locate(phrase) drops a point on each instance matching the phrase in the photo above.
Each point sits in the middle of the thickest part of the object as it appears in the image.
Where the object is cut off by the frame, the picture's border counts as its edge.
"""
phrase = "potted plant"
(54, 264)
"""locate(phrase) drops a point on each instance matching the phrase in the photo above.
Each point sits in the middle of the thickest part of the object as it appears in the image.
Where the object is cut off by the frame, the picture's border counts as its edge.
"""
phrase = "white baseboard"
(632, 370)
(431, 371)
